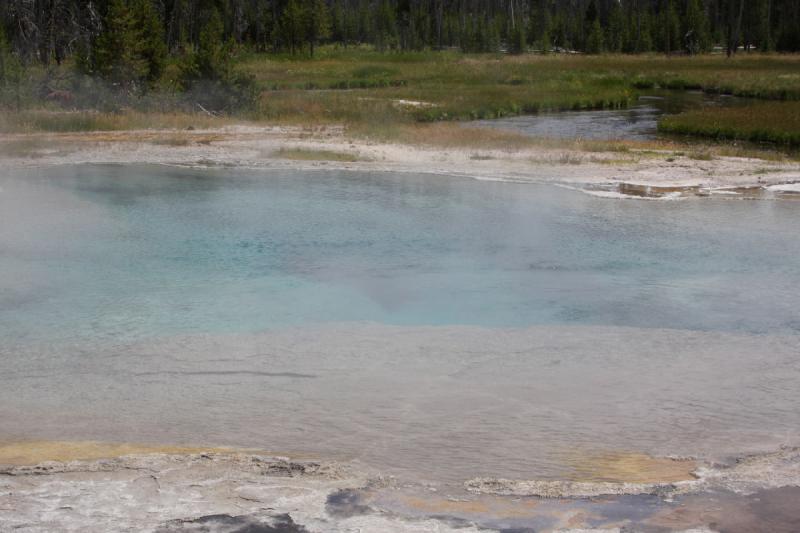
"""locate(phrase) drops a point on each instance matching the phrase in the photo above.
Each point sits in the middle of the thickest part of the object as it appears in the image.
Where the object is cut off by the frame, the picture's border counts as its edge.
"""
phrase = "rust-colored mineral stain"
(34, 452)
(624, 467)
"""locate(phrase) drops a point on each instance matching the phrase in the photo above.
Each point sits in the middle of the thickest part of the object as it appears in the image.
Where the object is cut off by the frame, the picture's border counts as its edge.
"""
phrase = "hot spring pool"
(430, 326)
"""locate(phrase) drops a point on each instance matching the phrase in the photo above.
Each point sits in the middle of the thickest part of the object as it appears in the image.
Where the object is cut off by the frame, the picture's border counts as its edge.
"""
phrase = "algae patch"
(33, 452)
(622, 467)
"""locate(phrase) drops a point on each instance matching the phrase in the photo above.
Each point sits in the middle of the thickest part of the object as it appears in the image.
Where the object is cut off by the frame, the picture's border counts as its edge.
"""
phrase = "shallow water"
(636, 123)
(433, 327)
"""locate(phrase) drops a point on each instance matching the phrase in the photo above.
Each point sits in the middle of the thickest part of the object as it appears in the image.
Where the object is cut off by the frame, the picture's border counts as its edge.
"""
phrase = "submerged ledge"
(745, 475)
(27, 453)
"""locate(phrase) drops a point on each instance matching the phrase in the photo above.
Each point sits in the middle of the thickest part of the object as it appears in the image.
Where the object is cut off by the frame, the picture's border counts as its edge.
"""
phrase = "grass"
(700, 155)
(772, 122)
(359, 85)
(413, 98)
(458, 86)
(304, 154)
(768, 77)
(444, 86)
(449, 86)
(36, 120)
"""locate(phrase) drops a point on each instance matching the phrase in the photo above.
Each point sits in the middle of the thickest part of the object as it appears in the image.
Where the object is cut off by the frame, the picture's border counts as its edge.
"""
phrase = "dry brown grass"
(441, 135)
(85, 121)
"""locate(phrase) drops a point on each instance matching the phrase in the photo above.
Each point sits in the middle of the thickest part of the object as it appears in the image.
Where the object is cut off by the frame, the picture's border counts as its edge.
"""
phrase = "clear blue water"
(131, 252)
(511, 326)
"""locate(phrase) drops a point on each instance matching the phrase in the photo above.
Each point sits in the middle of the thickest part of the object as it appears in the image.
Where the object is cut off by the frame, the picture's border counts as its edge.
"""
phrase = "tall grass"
(68, 121)
(367, 90)
(773, 122)
(457, 86)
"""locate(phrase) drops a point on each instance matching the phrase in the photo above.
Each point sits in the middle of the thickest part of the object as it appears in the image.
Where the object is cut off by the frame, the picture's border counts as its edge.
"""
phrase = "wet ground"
(248, 493)
(785, 191)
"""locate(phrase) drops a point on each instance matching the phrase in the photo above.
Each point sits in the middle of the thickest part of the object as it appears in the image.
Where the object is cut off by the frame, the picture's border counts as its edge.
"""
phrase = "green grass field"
(772, 122)
(385, 95)
(360, 85)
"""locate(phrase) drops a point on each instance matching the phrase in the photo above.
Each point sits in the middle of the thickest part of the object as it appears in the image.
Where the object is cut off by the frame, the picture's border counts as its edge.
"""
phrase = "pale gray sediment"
(563, 489)
(196, 492)
(233, 492)
(259, 147)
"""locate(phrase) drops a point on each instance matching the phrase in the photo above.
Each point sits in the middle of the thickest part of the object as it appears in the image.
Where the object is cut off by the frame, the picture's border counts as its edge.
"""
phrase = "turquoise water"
(132, 252)
(432, 327)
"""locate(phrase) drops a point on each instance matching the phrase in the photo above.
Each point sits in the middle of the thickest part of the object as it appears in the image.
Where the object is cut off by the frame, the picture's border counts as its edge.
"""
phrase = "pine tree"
(293, 25)
(735, 14)
(491, 42)
(788, 14)
(12, 73)
(543, 33)
(696, 34)
(318, 23)
(116, 50)
(385, 26)
(764, 32)
(339, 22)
(127, 41)
(616, 29)
(151, 45)
(595, 43)
(669, 28)
(644, 39)
(366, 26)
(211, 59)
(518, 43)
(4, 53)
(131, 50)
